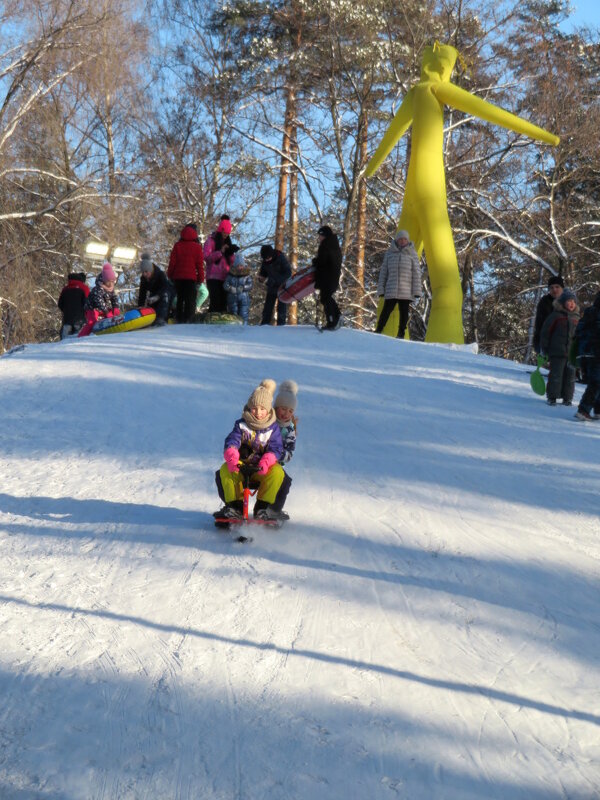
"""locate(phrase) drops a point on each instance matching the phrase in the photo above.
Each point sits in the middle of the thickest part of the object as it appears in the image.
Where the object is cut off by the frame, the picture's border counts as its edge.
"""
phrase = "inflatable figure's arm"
(464, 101)
(398, 127)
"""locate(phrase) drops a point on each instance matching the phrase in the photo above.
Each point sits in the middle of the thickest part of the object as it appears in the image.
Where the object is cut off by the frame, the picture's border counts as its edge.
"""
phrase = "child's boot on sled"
(233, 510)
(264, 510)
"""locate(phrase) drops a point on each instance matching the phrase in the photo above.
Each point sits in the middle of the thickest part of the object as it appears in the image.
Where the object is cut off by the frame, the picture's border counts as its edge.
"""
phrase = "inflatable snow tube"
(129, 321)
(220, 318)
(298, 286)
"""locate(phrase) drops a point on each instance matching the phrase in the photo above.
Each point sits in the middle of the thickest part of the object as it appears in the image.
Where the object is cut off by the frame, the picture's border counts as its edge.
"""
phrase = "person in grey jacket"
(399, 281)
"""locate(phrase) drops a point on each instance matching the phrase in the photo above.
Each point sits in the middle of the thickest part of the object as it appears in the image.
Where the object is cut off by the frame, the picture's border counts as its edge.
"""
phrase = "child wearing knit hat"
(255, 440)
(102, 301)
(285, 406)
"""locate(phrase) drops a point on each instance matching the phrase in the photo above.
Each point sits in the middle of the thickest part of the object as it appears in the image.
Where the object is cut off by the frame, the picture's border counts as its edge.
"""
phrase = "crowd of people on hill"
(564, 338)
(216, 269)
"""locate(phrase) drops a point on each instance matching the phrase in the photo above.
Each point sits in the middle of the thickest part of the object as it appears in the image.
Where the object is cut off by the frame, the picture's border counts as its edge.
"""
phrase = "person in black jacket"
(71, 302)
(328, 269)
(588, 331)
(274, 271)
(544, 307)
(156, 291)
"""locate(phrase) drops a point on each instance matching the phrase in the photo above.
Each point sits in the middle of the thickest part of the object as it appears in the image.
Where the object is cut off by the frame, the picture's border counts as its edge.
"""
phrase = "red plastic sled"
(298, 286)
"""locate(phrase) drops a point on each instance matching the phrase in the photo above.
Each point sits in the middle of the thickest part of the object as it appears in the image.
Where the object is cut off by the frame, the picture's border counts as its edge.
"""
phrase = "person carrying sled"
(238, 285)
(274, 271)
(186, 270)
(255, 440)
(218, 257)
(544, 307)
(399, 281)
(587, 334)
(328, 270)
(72, 304)
(556, 337)
(156, 290)
(102, 301)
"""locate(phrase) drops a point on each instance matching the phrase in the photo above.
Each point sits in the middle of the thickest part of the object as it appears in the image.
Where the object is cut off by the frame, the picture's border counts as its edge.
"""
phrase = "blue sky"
(585, 12)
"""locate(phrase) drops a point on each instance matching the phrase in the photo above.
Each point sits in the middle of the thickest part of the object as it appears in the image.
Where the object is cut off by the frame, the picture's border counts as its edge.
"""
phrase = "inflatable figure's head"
(438, 62)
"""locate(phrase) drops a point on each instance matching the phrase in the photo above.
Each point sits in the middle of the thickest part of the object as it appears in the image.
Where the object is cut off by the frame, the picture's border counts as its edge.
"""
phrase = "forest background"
(122, 120)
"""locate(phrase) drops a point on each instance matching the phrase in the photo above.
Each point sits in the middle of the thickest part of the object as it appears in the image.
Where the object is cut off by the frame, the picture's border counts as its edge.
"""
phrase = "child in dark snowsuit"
(555, 342)
(102, 300)
(238, 285)
(255, 440)
(72, 303)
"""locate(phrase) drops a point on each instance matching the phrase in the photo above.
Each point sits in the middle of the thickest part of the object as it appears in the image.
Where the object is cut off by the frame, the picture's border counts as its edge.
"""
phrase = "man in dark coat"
(156, 290)
(544, 307)
(274, 271)
(588, 329)
(71, 302)
(186, 270)
(328, 270)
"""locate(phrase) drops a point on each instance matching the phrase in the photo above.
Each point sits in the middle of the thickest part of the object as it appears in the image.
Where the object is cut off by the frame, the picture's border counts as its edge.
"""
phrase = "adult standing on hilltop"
(186, 270)
(274, 271)
(399, 281)
(218, 256)
(328, 270)
(545, 307)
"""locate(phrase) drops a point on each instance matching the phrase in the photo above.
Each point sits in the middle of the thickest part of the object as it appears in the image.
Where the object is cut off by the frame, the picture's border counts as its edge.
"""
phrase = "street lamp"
(123, 255)
(95, 251)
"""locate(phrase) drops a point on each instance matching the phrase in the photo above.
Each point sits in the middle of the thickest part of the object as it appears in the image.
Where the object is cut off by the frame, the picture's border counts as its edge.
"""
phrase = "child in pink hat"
(102, 300)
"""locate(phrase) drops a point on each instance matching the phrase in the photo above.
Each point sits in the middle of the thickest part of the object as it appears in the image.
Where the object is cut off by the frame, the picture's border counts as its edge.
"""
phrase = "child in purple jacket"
(255, 440)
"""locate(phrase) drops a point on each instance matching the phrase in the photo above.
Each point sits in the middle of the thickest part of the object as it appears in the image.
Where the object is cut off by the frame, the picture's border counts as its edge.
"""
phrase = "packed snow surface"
(426, 626)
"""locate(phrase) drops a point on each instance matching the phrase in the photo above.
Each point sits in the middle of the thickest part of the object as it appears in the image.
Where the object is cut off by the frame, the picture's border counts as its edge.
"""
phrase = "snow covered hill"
(426, 626)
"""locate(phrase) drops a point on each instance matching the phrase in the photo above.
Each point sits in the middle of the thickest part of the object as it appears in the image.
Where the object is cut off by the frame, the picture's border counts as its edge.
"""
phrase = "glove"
(265, 463)
(154, 298)
(232, 456)
(114, 313)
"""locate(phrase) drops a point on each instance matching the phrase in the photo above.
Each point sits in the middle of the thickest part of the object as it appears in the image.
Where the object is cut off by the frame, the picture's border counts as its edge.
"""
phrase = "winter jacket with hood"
(400, 274)
(543, 311)
(276, 271)
(558, 331)
(217, 263)
(102, 299)
(72, 301)
(187, 260)
(328, 265)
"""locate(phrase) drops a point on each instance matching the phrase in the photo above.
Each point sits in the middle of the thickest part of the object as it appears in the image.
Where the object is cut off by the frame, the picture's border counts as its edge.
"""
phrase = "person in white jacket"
(399, 281)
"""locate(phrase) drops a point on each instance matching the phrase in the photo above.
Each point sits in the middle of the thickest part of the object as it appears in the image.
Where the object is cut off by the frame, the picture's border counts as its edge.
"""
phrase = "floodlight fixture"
(95, 250)
(124, 255)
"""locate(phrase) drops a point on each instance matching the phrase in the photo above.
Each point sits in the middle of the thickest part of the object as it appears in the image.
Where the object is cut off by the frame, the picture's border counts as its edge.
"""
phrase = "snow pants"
(239, 304)
(273, 487)
(561, 380)
(591, 397)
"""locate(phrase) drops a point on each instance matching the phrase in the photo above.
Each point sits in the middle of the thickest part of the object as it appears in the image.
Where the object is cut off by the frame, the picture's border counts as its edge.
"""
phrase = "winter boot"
(233, 510)
(260, 509)
(583, 416)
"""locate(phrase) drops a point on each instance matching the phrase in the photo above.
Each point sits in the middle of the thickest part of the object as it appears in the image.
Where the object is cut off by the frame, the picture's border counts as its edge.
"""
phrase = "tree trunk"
(284, 170)
(293, 218)
(361, 220)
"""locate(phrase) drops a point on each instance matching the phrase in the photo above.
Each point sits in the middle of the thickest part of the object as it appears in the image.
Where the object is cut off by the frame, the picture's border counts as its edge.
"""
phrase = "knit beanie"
(325, 230)
(108, 273)
(266, 252)
(224, 225)
(555, 279)
(263, 395)
(239, 264)
(402, 235)
(567, 295)
(146, 263)
(286, 396)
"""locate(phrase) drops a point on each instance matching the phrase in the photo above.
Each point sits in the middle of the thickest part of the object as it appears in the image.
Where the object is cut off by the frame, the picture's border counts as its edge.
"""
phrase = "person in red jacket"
(186, 270)
(71, 302)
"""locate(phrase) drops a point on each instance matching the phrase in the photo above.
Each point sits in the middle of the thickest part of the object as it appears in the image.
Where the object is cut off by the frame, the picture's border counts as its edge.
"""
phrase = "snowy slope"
(426, 627)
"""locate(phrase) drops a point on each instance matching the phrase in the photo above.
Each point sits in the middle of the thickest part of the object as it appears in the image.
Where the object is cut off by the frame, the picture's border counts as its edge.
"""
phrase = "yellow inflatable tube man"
(424, 211)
